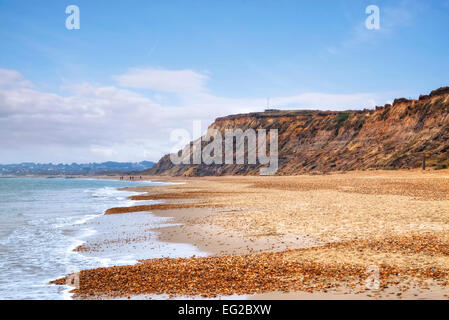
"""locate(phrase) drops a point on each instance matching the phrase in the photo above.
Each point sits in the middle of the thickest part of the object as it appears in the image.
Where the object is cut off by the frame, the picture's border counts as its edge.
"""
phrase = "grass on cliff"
(341, 118)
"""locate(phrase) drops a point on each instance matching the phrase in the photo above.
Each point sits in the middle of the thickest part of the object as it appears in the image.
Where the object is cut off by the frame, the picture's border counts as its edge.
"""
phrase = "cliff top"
(274, 113)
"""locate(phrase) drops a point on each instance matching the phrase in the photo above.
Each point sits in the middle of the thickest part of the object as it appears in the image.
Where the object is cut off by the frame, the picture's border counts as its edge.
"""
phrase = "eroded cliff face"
(390, 137)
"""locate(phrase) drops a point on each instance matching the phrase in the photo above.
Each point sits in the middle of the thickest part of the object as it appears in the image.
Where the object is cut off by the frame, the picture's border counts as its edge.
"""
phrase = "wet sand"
(318, 235)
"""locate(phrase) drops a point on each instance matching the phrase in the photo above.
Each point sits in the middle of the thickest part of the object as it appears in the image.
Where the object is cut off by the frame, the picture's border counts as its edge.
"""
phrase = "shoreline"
(206, 210)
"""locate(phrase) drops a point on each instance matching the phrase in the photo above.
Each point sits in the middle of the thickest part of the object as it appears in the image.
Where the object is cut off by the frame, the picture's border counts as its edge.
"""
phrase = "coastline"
(229, 217)
(45, 219)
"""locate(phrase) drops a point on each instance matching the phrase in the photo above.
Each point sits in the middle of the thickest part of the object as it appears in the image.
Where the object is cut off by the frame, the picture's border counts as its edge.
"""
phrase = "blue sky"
(170, 62)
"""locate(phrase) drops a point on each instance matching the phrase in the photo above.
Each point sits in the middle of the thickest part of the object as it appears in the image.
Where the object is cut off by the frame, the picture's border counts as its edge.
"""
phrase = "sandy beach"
(354, 235)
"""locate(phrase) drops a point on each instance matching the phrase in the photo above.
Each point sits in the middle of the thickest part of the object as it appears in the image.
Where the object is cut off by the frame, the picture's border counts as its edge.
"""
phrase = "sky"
(134, 71)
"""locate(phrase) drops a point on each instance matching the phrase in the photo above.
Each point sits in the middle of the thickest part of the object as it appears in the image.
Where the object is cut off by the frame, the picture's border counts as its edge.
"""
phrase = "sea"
(44, 219)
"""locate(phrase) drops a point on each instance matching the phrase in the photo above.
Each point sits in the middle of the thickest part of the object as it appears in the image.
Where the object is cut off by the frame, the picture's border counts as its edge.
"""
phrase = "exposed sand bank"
(316, 233)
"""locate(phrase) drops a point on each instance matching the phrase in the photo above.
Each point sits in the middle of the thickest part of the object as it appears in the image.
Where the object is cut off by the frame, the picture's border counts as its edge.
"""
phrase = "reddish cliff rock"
(390, 137)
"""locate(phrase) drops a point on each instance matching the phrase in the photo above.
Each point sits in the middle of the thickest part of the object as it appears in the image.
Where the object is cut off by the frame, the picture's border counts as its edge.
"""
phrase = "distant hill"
(389, 137)
(30, 168)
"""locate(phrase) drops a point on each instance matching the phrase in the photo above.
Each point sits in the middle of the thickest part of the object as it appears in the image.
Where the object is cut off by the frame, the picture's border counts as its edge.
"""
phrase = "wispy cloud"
(391, 18)
(13, 78)
(175, 81)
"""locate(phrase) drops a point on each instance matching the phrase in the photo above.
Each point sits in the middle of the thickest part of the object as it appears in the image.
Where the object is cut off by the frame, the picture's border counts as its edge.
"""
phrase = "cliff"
(389, 137)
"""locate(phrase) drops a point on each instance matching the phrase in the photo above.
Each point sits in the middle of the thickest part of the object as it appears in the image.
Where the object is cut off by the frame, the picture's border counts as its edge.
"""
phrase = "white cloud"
(324, 101)
(175, 81)
(103, 151)
(99, 123)
(12, 78)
